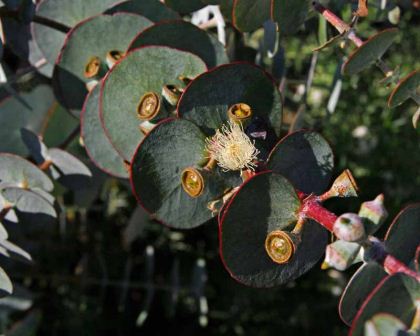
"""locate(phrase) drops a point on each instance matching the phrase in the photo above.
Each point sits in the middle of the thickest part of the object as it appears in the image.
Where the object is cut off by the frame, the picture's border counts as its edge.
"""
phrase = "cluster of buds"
(352, 231)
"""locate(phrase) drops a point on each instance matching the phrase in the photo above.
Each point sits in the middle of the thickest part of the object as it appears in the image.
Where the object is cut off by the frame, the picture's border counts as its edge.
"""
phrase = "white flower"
(232, 148)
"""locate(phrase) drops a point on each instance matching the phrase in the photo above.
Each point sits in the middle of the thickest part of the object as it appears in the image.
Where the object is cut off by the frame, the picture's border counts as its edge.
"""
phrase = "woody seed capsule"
(148, 106)
(192, 182)
(92, 67)
(279, 246)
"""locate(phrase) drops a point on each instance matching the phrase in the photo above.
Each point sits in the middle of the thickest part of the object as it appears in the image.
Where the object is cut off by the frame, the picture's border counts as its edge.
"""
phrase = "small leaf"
(135, 226)
(29, 206)
(65, 14)
(289, 15)
(306, 159)
(35, 145)
(271, 37)
(71, 172)
(3, 233)
(21, 173)
(20, 300)
(83, 43)
(363, 281)
(126, 84)
(6, 286)
(370, 51)
(97, 144)
(31, 116)
(396, 294)
(15, 250)
(153, 10)
(156, 171)
(249, 15)
(402, 238)
(207, 99)
(183, 36)
(406, 88)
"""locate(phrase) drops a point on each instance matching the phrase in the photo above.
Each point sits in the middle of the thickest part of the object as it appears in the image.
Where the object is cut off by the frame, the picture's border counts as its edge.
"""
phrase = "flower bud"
(374, 211)
(349, 227)
(374, 251)
(341, 255)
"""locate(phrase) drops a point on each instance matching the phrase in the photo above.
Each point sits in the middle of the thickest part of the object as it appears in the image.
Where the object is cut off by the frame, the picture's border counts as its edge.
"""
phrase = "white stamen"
(232, 148)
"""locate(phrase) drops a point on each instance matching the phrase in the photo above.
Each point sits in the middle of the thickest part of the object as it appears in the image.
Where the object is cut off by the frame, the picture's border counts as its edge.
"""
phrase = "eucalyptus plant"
(199, 133)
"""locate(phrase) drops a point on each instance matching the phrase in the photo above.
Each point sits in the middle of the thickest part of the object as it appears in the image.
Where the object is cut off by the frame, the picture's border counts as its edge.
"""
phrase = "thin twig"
(70, 137)
(4, 12)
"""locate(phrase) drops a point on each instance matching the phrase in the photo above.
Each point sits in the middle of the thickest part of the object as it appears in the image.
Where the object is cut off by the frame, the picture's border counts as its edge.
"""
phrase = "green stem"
(70, 138)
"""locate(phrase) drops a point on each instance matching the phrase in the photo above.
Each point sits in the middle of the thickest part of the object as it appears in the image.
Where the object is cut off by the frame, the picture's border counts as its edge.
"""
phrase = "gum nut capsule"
(344, 185)
(148, 106)
(92, 67)
(279, 246)
(171, 94)
(112, 57)
(349, 227)
(374, 210)
(239, 112)
(192, 182)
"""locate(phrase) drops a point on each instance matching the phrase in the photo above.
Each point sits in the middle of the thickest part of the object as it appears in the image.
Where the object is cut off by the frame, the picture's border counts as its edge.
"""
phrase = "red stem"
(393, 265)
(339, 24)
(301, 195)
(312, 209)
